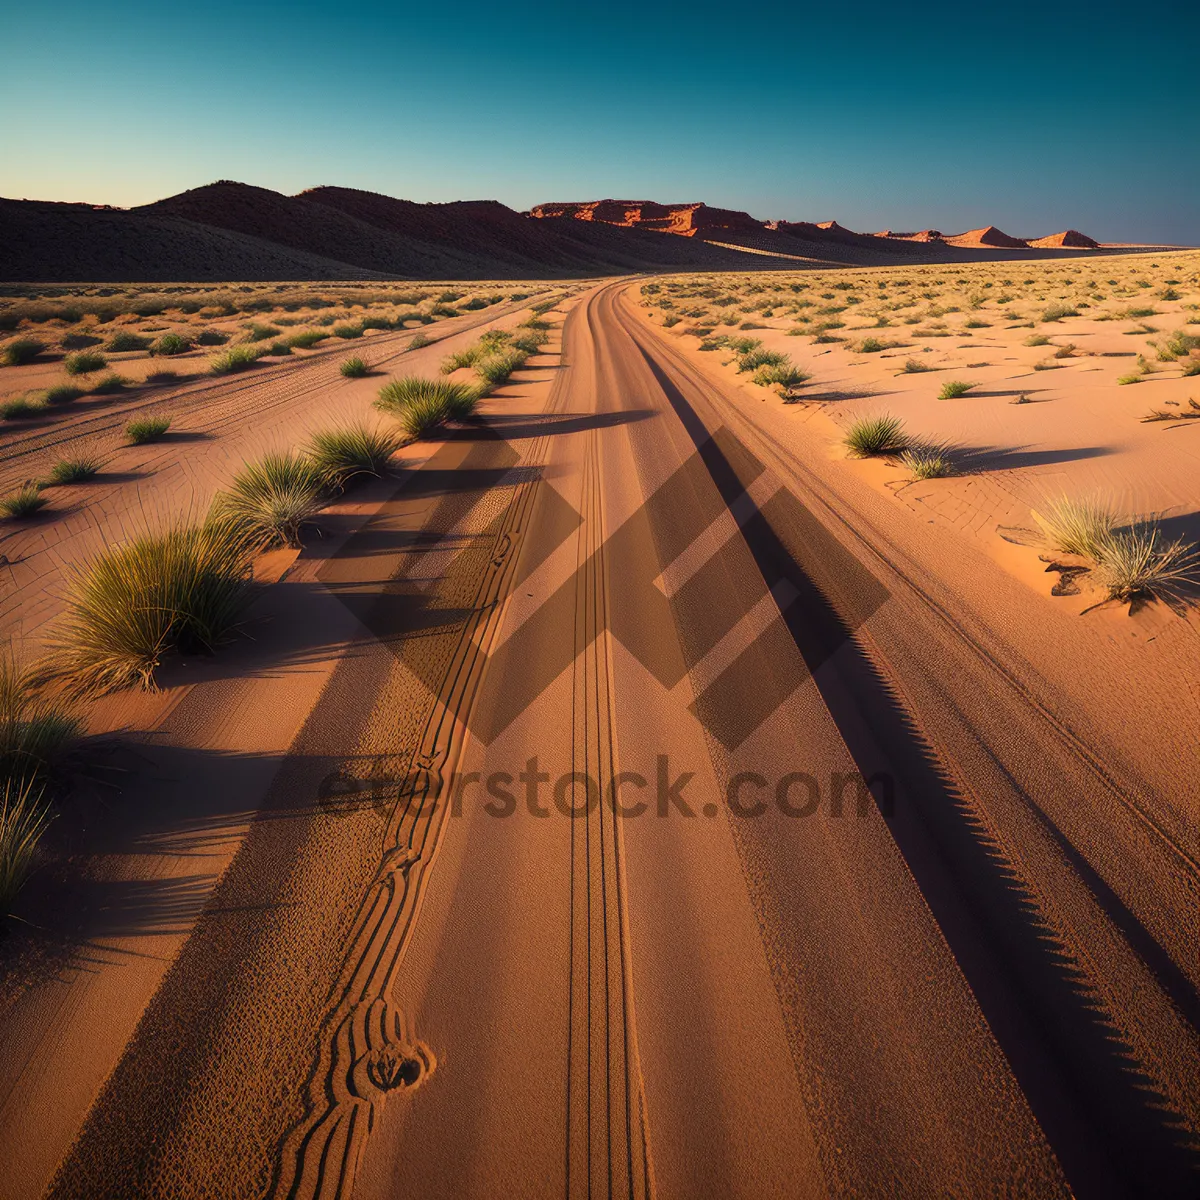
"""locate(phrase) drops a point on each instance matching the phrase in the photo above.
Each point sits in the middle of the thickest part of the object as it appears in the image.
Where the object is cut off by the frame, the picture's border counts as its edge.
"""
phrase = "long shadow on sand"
(1114, 1132)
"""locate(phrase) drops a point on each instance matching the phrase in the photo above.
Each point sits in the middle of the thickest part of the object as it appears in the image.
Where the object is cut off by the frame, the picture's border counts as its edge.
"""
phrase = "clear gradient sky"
(1034, 117)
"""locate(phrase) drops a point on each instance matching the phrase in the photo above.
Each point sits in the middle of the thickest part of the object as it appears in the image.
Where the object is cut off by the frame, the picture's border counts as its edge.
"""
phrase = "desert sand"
(911, 906)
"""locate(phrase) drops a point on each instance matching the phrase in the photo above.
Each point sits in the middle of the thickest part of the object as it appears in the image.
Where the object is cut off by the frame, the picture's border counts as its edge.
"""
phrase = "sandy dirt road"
(573, 883)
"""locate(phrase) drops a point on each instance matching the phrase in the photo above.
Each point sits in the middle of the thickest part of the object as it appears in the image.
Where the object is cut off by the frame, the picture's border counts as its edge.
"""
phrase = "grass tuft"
(422, 404)
(146, 429)
(953, 388)
(62, 393)
(112, 382)
(354, 368)
(75, 470)
(21, 351)
(177, 591)
(23, 820)
(871, 436)
(1136, 564)
(344, 453)
(1076, 526)
(122, 343)
(270, 500)
(24, 502)
(928, 461)
(171, 344)
(84, 362)
(236, 358)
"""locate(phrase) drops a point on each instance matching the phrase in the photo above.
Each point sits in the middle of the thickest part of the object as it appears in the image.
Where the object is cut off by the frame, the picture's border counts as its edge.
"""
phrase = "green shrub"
(419, 341)
(870, 436)
(146, 429)
(348, 331)
(121, 343)
(354, 368)
(21, 351)
(236, 358)
(23, 820)
(270, 500)
(953, 388)
(75, 470)
(181, 590)
(261, 333)
(344, 453)
(170, 344)
(277, 350)
(211, 337)
(84, 362)
(1126, 380)
(62, 393)
(24, 502)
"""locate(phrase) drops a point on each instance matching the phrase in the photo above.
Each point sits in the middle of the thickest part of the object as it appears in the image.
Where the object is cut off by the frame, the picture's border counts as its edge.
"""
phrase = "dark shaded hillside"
(63, 243)
(230, 231)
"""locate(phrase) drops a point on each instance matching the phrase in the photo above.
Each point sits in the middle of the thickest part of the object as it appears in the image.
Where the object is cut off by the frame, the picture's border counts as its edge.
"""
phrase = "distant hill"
(229, 230)
(234, 231)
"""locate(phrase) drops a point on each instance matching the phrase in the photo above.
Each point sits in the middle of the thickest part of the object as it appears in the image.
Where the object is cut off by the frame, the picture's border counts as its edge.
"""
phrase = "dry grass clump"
(33, 730)
(954, 388)
(873, 345)
(24, 502)
(122, 343)
(753, 359)
(871, 436)
(1136, 564)
(181, 590)
(270, 500)
(22, 408)
(1191, 413)
(236, 358)
(23, 820)
(914, 366)
(75, 470)
(1077, 526)
(112, 382)
(496, 369)
(928, 461)
(62, 393)
(20, 351)
(146, 429)
(785, 376)
(84, 362)
(344, 453)
(171, 344)
(422, 404)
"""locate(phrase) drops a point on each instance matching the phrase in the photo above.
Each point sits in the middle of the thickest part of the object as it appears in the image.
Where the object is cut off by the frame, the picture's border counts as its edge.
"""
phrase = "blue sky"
(1034, 117)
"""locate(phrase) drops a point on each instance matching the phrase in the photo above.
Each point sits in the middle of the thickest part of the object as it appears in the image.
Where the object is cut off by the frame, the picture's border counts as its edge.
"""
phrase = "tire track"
(605, 1117)
(367, 1046)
